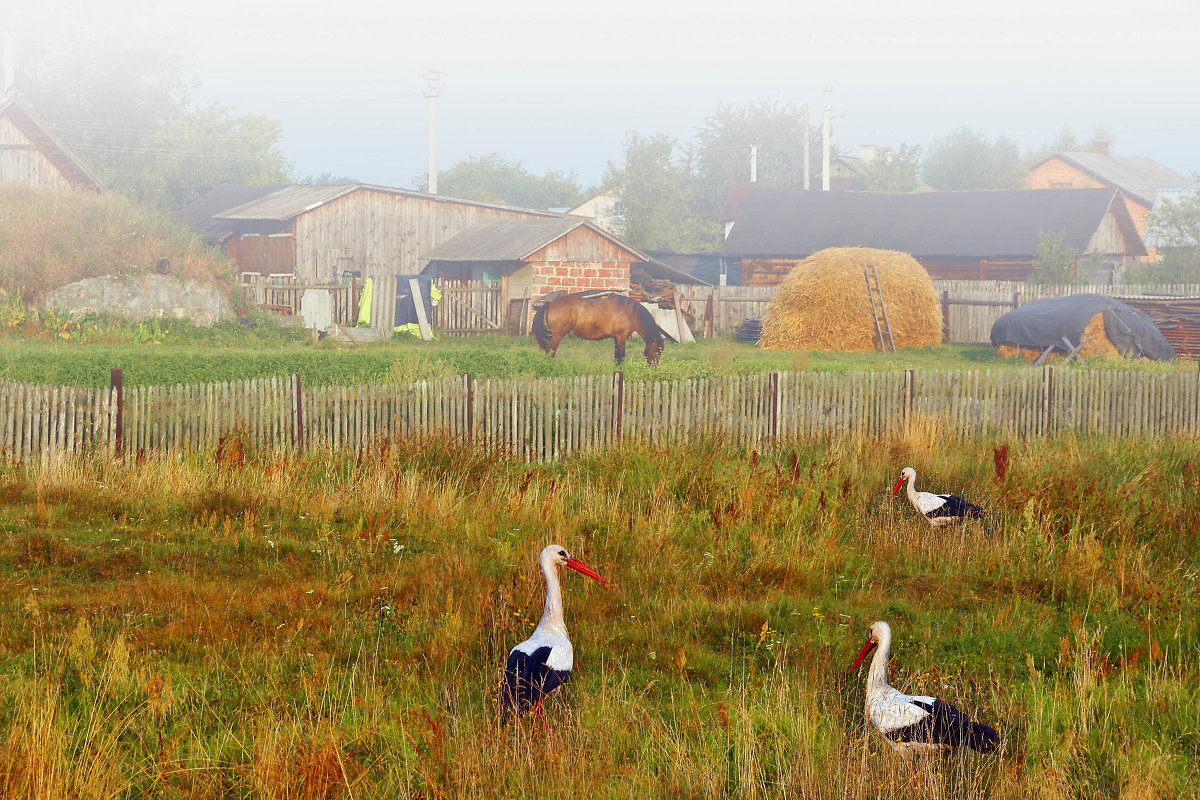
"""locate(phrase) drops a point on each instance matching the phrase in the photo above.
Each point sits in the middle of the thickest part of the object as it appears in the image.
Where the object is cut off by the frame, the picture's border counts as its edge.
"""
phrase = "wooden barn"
(31, 155)
(1140, 179)
(981, 235)
(319, 233)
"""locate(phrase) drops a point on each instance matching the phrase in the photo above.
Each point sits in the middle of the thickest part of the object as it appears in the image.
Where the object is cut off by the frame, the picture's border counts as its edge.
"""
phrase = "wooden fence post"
(775, 406)
(298, 429)
(1047, 398)
(945, 316)
(618, 402)
(910, 392)
(470, 406)
(116, 380)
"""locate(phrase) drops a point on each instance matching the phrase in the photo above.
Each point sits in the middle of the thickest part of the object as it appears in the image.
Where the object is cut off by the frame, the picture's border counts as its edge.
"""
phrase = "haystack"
(1098, 345)
(823, 303)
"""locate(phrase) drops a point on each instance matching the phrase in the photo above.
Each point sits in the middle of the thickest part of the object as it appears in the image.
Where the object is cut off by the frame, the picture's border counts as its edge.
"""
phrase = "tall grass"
(333, 625)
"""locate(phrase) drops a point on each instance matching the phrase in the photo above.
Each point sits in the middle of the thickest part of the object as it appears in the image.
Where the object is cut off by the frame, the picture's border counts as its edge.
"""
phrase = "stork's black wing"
(947, 725)
(527, 681)
(955, 506)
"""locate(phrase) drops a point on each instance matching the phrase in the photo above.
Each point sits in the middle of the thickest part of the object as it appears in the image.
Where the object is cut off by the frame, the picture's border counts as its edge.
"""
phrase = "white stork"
(913, 724)
(939, 509)
(538, 666)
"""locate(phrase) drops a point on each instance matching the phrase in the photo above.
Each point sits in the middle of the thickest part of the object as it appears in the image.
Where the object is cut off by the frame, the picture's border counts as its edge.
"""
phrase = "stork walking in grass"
(538, 666)
(939, 509)
(915, 725)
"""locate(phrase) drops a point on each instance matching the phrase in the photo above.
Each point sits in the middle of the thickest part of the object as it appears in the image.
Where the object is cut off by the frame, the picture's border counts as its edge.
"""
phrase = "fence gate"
(471, 307)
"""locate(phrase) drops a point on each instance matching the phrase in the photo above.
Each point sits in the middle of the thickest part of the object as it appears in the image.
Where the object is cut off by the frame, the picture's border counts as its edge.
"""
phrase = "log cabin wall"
(21, 161)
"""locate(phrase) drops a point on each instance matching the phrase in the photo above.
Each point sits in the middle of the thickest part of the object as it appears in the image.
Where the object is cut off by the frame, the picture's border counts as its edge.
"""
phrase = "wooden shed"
(974, 235)
(317, 233)
(31, 155)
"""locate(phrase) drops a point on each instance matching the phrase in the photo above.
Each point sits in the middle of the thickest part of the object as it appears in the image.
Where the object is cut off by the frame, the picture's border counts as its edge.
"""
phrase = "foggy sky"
(558, 85)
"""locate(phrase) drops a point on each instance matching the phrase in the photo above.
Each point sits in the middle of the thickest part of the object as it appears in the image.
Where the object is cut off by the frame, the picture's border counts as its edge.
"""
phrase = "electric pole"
(825, 142)
(754, 163)
(433, 89)
(807, 162)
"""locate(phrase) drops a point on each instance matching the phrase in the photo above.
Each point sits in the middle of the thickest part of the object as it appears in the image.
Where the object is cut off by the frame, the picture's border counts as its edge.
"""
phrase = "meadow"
(169, 352)
(250, 624)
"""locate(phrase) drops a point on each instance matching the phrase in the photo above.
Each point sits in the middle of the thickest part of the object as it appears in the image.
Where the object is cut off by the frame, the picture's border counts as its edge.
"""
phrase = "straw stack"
(1098, 346)
(823, 303)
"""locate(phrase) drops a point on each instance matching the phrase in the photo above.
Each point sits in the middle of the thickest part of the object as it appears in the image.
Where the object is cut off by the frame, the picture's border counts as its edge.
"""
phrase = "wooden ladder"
(875, 294)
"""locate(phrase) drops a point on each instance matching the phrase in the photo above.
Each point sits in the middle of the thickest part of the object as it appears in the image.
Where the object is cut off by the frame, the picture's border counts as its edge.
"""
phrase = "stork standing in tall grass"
(938, 509)
(914, 724)
(538, 666)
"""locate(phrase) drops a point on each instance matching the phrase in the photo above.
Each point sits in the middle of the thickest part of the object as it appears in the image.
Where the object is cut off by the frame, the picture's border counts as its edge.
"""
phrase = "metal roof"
(515, 240)
(200, 214)
(292, 201)
(1137, 176)
(71, 167)
(977, 224)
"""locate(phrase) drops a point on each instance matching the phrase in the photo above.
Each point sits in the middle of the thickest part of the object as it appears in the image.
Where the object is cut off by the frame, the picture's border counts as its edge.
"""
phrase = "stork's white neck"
(877, 675)
(912, 490)
(552, 614)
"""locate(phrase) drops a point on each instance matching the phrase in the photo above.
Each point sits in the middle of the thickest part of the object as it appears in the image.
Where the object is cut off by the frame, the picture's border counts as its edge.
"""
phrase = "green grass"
(333, 625)
(229, 352)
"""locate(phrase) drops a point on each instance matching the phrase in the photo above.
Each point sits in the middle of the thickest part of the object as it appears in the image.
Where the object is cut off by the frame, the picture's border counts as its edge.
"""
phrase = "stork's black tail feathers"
(981, 738)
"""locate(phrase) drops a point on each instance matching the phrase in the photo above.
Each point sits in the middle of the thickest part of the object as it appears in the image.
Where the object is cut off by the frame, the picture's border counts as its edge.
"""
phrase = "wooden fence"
(546, 419)
(283, 293)
(471, 307)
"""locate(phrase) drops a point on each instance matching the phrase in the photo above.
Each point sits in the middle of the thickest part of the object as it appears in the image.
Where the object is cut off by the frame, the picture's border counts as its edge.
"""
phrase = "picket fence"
(549, 418)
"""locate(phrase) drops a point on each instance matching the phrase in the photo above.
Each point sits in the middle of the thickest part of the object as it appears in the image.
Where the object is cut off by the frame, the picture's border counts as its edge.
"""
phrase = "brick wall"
(577, 276)
(1056, 174)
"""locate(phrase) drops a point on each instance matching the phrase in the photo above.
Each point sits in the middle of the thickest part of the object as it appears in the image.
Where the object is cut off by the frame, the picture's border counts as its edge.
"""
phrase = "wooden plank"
(419, 304)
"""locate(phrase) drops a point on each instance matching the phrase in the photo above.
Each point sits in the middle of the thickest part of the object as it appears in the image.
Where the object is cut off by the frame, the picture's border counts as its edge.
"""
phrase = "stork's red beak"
(863, 654)
(896, 488)
(579, 566)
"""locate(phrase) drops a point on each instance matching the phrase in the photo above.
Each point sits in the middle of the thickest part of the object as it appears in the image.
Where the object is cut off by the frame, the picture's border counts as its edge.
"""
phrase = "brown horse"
(607, 317)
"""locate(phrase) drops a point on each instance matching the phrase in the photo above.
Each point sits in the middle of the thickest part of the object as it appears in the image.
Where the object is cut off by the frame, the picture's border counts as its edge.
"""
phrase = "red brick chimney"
(1100, 146)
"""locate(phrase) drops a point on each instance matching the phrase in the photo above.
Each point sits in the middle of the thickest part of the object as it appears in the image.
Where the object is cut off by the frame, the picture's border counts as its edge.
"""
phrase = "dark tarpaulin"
(1043, 323)
(406, 307)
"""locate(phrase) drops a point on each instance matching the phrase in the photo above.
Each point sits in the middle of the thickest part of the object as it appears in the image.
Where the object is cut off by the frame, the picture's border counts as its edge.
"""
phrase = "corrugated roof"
(982, 224)
(1137, 176)
(200, 214)
(292, 201)
(515, 240)
(59, 154)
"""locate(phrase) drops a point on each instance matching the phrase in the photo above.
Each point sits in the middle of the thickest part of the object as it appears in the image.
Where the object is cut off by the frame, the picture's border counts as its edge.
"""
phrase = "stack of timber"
(1177, 319)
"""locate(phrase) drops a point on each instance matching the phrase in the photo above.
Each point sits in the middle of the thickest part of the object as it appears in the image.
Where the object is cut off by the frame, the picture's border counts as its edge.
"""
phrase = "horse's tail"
(541, 331)
(649, 323)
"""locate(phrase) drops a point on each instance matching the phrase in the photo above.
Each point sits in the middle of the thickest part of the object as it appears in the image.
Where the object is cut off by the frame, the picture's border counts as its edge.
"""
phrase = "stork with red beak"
(538, 666)
(913, 724)
(939, 509)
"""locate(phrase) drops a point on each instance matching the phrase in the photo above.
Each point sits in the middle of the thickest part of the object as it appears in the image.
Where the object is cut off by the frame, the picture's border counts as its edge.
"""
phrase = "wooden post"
(1047, 398)
(419, 305)
(298, 430)
(774, 405)
(352, 312)
(945, 316)
(116, 380)
(618, 402)
(708, 317)
(910, 392)
(470, 406)
(1016, 300)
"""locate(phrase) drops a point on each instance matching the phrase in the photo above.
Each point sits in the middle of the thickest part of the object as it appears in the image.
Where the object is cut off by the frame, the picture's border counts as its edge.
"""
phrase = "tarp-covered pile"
(1114, 327)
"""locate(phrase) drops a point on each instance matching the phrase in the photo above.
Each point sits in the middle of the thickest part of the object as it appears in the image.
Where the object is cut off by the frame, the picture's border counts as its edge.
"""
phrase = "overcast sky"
(558, 85)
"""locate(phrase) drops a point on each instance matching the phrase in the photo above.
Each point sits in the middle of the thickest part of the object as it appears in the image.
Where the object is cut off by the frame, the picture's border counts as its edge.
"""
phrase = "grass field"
(230, 356)
(333, 625)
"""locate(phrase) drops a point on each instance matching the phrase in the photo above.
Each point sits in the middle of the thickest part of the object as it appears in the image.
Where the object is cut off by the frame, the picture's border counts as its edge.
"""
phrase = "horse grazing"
(609, 316)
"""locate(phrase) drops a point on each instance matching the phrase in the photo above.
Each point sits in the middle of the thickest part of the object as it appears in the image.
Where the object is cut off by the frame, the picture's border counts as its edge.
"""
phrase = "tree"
(659, 199)
(125, 111)
(1065, 141)
(1174, 229)
(1055, 261)
(895, 172)
(968, 160)
(495, 179)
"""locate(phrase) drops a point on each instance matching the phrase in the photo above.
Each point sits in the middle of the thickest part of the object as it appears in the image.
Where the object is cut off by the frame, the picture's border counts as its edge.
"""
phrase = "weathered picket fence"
(549, 418)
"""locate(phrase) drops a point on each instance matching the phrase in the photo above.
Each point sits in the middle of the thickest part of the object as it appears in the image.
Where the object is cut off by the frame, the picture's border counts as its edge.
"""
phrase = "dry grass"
(823, 303)
(332, 625)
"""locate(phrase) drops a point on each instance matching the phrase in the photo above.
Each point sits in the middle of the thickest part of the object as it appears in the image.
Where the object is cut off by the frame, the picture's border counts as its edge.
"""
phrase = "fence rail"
(549, 418)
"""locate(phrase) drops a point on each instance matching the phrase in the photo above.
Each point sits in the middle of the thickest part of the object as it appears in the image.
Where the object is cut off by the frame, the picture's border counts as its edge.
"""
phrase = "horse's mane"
(648, 321)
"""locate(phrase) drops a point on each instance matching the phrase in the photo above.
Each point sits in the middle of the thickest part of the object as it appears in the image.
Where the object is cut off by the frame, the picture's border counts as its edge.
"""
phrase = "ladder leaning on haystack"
(875, 294)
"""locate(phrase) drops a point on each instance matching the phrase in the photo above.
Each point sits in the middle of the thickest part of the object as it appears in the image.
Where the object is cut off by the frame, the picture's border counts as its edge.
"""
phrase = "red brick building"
(1139, 179)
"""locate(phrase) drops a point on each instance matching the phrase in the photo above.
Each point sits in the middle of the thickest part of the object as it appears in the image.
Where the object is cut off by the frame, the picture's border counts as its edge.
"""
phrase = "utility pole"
(754, 163)
(433, 89)
(807, 137)
(10, 60)
(825, 142)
